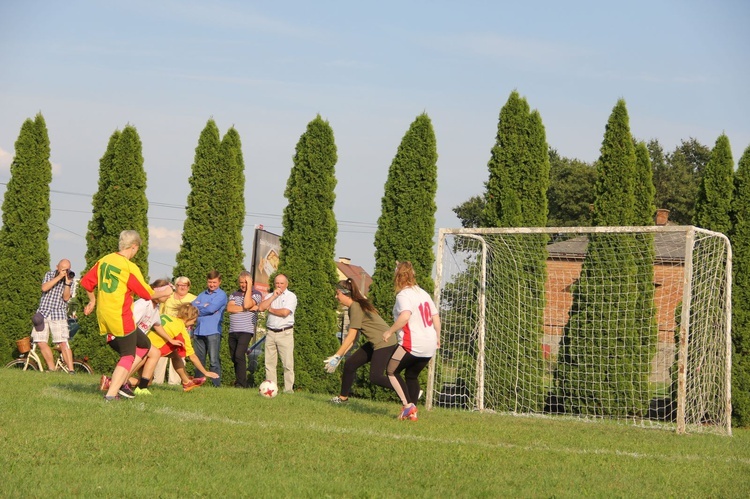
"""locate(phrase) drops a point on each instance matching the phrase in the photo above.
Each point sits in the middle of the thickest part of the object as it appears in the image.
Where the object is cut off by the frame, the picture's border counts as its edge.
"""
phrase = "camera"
(71, 274)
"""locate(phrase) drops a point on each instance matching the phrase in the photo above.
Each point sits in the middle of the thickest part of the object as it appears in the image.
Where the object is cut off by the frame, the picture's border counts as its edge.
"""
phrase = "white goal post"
(621, 323)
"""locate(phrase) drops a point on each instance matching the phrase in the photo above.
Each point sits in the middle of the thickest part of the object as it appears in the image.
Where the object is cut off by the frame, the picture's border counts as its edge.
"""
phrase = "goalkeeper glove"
(331, 363)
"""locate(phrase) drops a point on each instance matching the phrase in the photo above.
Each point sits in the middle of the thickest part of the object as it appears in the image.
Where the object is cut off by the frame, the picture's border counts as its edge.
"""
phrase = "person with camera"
(52, 314)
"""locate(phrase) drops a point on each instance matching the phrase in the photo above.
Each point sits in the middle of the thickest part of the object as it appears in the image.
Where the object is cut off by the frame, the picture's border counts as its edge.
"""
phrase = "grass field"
(59, 438)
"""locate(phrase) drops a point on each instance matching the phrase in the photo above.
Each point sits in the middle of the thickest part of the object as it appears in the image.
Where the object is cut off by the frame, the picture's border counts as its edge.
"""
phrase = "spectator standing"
(280, 306)
(207, 334)
(243, 317)
(52, 314)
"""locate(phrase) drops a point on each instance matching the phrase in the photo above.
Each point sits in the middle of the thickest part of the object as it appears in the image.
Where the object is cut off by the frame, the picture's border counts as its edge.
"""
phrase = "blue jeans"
(210, 344)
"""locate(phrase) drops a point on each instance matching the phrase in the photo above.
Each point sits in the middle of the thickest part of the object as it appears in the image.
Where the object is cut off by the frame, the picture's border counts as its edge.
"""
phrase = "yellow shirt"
(116, 279)
(170, 306)
(175, 328)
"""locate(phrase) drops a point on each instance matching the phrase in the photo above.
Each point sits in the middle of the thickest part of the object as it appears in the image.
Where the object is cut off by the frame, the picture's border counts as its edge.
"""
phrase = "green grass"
(59, 438)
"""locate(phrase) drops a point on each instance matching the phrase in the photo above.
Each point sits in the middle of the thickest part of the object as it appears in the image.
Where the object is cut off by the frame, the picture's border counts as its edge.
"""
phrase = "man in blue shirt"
(207, 334)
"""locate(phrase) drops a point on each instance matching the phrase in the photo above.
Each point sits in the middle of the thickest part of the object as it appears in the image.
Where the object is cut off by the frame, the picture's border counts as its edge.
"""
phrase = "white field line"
(184, 415)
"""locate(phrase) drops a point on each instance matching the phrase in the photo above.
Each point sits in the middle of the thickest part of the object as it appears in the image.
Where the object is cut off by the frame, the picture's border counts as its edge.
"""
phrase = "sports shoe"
(339, 400)
(142, 391)
(126, 391)
(199, 381)
(111, 398)
(186, 387)
(408, 411)
(104, 383)
(413, 416)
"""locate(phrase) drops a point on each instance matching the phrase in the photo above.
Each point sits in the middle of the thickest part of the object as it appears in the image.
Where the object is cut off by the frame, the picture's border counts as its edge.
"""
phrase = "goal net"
(620, 323)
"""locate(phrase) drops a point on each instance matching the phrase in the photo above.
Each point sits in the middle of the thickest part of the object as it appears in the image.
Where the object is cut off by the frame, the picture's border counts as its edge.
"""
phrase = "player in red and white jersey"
(418, 325)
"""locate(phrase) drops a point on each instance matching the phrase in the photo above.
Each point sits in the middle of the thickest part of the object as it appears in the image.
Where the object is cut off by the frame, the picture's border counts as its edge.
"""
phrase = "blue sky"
(268, 68)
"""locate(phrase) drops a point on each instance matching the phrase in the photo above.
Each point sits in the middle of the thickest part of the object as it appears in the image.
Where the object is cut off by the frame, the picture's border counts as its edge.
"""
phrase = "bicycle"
(30, 360)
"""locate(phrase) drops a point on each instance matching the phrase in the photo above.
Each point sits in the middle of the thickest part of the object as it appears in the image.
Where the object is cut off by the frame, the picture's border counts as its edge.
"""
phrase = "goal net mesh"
(620, 323)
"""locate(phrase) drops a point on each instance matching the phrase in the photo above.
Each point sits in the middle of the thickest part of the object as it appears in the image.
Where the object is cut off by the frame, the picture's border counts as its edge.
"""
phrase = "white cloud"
(505, 47)
(161, 238)
(5, 159)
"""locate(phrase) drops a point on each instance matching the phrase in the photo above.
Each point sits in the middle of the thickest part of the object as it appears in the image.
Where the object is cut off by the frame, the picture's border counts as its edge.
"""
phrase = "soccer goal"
(622, 323)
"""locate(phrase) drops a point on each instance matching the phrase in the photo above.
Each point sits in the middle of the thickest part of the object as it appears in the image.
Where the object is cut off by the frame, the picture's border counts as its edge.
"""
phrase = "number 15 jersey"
(418, 336)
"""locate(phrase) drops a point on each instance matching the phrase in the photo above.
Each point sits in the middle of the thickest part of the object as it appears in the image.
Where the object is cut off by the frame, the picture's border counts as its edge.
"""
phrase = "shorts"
(58, 328)
(168, 348)
(123, 345)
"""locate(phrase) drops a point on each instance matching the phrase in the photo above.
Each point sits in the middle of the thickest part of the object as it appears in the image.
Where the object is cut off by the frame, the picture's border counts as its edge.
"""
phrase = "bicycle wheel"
(81, 367)
(21, 363)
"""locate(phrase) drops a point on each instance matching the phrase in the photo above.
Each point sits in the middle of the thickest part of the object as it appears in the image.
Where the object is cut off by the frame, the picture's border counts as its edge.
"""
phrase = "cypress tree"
(307, 254)
(586, 384)
(740, 238)
(119, 204)
(517, 197)
(202, 247)
(712, 208)
(231, 152)
(24, 250)
(406, 226)
(644, 211)
(98, 241)
(212, 231)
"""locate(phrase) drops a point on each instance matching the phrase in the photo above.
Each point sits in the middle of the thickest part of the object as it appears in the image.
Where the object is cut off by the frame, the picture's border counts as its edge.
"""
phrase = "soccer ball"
(268, 389)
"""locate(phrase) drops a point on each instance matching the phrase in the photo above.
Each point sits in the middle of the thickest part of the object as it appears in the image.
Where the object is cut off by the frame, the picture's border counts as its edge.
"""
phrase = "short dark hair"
(214, 274)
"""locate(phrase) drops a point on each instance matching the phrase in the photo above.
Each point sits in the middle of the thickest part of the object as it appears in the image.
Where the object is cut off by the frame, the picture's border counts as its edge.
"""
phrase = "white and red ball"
(268, 389)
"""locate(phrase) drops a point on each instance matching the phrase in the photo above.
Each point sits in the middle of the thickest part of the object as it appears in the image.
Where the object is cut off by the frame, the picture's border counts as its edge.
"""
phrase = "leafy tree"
(712, 208)
(307, 254)
(740, 238)
(119, 204)
(406, 226)
(677, 187)
(24, 250)
(585, 384)
(571, 191)
(470, 212)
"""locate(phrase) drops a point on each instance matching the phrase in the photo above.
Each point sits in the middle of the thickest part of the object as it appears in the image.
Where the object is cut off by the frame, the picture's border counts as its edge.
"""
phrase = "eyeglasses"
(183, 285)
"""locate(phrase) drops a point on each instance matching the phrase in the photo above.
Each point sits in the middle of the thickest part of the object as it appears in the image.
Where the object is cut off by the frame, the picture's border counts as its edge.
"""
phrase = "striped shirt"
(244, 322)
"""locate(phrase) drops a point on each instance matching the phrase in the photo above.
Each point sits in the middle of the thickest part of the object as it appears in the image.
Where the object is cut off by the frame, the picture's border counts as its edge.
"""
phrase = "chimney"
(662, 216)
(345, 260)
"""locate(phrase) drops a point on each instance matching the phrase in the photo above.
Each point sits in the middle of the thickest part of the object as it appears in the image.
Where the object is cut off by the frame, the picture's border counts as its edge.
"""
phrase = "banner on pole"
(266, 251)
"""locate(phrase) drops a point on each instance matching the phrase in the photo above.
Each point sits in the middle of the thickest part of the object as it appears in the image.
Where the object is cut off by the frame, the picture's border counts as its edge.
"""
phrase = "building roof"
(668, 247)
(357, 274)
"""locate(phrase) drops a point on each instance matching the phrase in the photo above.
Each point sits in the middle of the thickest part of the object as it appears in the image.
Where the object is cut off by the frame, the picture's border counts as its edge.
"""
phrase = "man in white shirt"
(280, 306)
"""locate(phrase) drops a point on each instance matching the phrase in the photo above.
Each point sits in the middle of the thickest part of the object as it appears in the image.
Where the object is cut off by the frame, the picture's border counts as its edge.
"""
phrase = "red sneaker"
(199, 381)
(104, 383)
(186, 387)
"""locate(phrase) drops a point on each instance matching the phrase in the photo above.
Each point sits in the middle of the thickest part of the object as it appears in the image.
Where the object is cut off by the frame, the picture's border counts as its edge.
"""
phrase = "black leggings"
(413, 365)
(364, 354)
